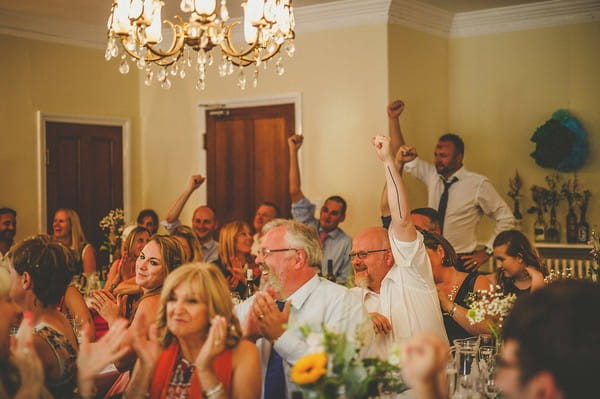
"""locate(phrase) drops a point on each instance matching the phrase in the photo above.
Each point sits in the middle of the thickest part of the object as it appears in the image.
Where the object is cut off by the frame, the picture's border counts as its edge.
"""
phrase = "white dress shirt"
(317, 302)
(408, 297)
(469, 199)
(4, 261)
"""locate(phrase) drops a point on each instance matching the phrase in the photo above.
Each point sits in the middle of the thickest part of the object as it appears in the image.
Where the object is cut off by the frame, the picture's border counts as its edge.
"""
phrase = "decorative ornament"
(561, 143)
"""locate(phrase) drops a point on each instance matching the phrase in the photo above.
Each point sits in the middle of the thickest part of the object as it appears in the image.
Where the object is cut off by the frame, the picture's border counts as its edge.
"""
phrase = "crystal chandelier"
(268, 26)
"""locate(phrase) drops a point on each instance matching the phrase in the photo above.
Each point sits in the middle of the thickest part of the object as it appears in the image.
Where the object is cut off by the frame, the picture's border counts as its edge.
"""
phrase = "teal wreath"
(561, 143)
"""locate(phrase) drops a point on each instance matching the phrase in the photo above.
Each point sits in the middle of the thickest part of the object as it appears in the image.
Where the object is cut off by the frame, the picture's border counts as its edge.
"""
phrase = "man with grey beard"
(393, 272)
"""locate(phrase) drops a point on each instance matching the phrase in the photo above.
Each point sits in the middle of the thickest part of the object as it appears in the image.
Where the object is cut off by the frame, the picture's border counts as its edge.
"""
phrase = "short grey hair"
(301, 236)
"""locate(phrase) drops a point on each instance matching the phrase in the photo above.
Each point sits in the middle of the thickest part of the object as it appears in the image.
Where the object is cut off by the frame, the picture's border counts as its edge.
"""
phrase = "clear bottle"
(330, 276)
(250, 286)
(539, 228)
(583, 230)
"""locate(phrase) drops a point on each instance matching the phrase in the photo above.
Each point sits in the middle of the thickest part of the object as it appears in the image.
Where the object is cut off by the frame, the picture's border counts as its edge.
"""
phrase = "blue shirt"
(337, 245)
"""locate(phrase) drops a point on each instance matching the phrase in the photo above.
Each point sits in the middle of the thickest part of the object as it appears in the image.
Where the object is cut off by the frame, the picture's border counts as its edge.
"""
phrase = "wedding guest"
(551, 345)
(392, 269)
(423, 366)
(40, 272)
(454, 287)
(121, 275)
(204, 220)
(235, 245)
(290, 253)
(187, 238)
(265, 212)
(461, 196)
(8, 230)
(157, 259)
(519, 267)
(200, 352)
(335, 242)
(148, 219)
(66, 228)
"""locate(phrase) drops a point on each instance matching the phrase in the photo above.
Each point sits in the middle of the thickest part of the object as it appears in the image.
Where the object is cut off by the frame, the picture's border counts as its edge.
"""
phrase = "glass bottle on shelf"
(583, 229)
(539, 228)
(553, 229)
(571, 226)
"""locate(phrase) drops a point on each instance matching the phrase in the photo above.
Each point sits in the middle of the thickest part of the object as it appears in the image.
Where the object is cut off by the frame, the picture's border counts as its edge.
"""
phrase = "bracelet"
(214, 392)
(453, 310)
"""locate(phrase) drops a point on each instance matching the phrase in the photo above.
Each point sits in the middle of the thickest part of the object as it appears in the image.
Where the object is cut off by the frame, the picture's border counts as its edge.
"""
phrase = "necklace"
(453, 292)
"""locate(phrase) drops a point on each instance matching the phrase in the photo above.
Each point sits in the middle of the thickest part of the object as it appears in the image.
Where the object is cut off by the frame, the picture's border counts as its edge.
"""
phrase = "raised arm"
(294, 144)
(406, 155)
(394, 110)
(175, 209)
(401, 225)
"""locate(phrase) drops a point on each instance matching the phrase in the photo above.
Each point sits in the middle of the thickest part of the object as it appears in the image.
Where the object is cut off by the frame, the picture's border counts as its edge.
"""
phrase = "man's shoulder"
(466, 174)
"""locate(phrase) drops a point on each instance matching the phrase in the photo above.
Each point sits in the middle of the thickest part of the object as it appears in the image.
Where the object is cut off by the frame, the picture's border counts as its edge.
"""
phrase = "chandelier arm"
(227, 45)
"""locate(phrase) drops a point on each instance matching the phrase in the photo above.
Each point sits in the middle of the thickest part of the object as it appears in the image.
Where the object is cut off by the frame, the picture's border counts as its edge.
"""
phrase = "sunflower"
(309, 369)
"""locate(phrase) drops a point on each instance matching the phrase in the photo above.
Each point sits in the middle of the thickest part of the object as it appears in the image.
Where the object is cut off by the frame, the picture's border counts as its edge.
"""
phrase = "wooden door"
(84, 172)
(248, 160)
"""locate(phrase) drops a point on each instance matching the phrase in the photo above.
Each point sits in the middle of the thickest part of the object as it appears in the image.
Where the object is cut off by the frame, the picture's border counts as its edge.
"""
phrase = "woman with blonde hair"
(197, 349)
(66, 228)
(235, 246)
(121, 276)
(191, 244)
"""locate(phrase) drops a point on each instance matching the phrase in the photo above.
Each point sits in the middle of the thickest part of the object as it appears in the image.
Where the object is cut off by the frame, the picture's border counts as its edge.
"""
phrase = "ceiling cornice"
(526, 16)
(348, 13)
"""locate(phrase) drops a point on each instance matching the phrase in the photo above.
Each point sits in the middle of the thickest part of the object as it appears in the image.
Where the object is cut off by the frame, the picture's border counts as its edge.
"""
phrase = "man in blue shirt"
(336, 244)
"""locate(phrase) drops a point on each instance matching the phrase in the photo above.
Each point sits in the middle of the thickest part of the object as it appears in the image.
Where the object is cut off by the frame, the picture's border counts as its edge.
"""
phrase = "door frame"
(43, 118)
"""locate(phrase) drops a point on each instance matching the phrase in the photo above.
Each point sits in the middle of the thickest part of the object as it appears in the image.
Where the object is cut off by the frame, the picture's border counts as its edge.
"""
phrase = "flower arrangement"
(490, 306)
(515, 183)
(336, 368)
(112, 225)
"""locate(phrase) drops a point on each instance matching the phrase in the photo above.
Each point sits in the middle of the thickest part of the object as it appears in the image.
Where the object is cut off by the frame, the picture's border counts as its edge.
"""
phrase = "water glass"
(451, 372)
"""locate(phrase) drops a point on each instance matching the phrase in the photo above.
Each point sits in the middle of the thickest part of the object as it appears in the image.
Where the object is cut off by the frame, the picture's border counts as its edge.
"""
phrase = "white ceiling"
(95, 12)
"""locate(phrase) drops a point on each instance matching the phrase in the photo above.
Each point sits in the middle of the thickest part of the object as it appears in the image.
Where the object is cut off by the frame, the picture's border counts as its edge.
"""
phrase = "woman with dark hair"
(66, 228)
(235, 258)
(191, 244)
(148, 219)
(519, 267)
(453, 287)
(40, 271)
(198, 351)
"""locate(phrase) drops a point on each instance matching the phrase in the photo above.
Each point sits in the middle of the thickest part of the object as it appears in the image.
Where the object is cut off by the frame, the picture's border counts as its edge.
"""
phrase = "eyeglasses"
(264, 252)
(363, 254)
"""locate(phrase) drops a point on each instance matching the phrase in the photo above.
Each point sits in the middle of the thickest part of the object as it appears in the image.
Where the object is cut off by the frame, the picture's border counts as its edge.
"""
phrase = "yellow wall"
(419, 76)
(494, 90)
(52, 78)
(503, 86)
(344, 92)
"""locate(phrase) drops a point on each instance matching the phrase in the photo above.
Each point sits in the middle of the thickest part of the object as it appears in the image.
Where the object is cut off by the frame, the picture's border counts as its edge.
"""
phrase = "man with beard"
(460, 196)
(8, 229)
(204, 220)
(393, 272)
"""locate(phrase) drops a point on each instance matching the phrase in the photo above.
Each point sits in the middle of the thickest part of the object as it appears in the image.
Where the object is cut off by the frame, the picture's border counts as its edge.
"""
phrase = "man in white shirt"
(8, 230)
(204, 221)
(395, 282)
(460, 196)
(289, 252)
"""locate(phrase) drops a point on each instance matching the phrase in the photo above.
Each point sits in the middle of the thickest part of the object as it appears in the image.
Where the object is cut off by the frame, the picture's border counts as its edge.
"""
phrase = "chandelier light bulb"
(205, 7)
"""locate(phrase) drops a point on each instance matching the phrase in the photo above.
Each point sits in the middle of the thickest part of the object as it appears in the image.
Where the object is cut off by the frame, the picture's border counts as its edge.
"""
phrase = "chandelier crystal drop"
(135, 30)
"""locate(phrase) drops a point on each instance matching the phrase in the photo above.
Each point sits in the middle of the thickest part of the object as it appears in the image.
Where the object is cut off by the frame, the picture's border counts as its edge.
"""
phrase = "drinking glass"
(467, 364)
(451, 372)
